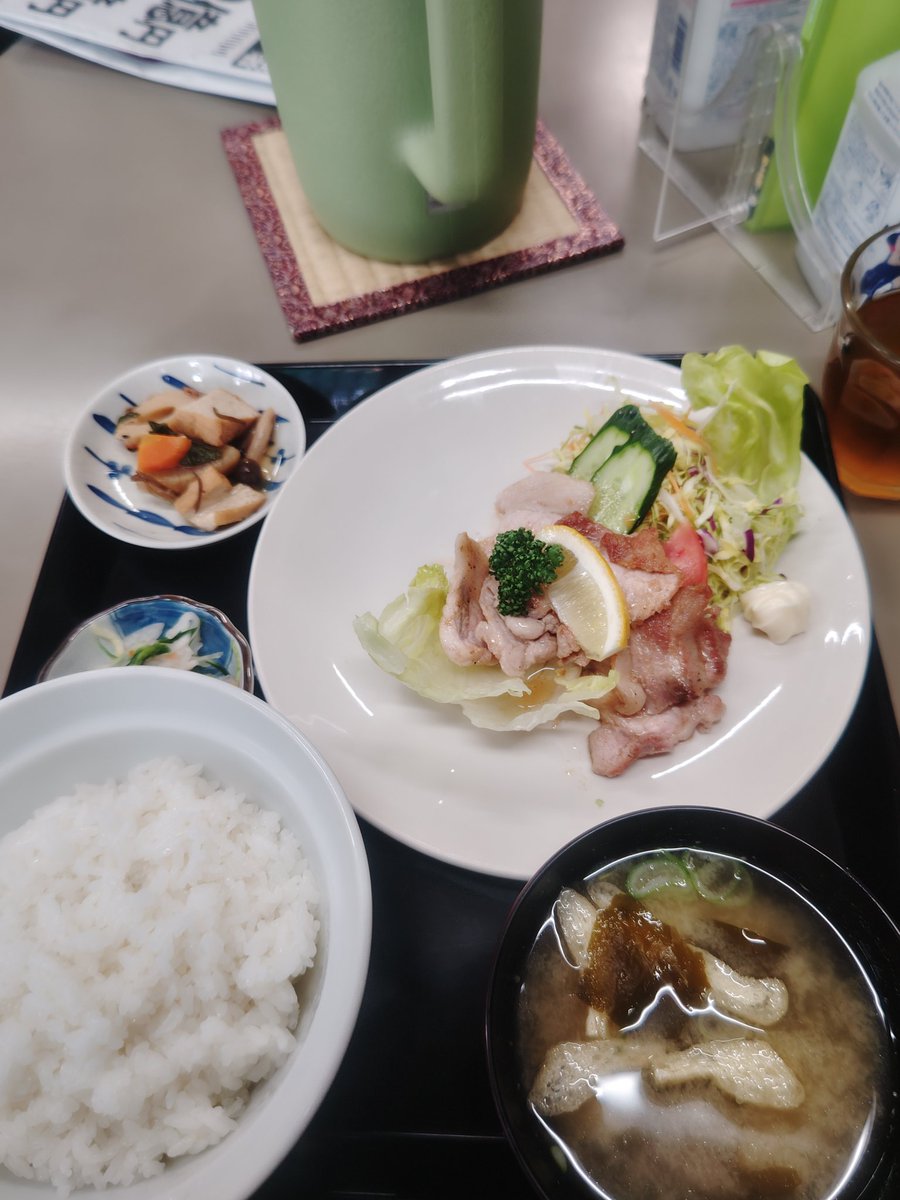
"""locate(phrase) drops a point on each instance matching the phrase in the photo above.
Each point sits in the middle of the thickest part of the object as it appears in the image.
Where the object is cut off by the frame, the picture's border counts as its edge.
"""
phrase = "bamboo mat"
(323, 288)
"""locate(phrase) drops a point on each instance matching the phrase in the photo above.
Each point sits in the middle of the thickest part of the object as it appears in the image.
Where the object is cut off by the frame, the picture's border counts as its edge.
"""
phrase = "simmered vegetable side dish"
(205, 452)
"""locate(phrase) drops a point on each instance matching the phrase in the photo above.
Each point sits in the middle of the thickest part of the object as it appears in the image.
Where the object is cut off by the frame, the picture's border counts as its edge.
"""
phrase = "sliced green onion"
(717, 879)
(160, 646)
(656, 875)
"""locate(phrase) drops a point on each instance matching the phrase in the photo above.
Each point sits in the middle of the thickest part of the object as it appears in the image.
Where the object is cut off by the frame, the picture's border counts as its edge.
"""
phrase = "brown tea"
(861, 394)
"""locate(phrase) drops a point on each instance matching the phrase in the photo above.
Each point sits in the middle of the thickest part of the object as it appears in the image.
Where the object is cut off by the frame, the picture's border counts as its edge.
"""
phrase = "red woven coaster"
(323, 288)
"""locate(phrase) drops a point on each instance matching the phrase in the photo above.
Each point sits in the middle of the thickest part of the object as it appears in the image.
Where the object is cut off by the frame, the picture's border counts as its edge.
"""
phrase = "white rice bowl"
(265, 804)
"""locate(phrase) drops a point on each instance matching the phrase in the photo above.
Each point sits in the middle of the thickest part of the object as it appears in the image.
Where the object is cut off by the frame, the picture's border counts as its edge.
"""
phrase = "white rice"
(150, 930)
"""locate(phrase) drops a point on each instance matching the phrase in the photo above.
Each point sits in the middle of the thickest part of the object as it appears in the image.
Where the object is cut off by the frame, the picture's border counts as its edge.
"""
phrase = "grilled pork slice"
(462, 617)
(473, 633)
(215, 417)
(618, 741)
(519, 644)
(680, 652)
(540, 499)
(641, 551)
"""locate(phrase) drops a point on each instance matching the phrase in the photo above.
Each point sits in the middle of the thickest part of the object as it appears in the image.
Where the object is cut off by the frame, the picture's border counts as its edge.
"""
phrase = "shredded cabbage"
(405, 642)
(754, 426)
(738, 462)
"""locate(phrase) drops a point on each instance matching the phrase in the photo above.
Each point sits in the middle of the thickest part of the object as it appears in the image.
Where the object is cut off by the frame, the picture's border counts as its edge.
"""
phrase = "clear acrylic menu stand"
(718, 187)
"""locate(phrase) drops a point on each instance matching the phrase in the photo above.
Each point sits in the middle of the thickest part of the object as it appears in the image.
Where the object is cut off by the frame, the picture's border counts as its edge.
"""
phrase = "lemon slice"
(586, 595)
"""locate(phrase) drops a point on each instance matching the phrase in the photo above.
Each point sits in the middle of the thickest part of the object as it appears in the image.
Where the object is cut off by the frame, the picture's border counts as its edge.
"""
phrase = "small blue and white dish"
(159, 631)
(99, 468)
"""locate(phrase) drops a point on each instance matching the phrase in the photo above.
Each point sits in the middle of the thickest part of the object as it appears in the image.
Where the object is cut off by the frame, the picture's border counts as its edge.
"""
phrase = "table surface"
(124, 239)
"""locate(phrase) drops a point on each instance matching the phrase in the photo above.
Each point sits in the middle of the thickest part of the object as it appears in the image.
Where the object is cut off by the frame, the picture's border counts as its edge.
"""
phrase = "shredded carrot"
(537, 462)
(678, 493)
(681, 426)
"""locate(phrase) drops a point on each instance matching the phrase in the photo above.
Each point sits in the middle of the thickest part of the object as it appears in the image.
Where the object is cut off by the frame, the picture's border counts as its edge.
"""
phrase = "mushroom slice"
(259, 437)
(189, 500)
(759, 1001)
(572, 1071)
(748, 1070)
(156, 487)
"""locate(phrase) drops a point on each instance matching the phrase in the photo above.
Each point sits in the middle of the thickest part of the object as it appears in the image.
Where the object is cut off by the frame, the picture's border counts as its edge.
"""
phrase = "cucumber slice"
(660, 874)
(619, 429)
(629, 481)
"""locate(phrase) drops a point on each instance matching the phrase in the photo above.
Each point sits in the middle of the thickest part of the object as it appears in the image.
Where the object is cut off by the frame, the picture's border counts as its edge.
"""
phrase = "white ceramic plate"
(98, 468)
(388, 488)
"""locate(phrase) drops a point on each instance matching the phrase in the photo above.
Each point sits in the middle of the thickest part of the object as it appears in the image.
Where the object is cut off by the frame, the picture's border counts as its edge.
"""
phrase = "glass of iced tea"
(861, 384)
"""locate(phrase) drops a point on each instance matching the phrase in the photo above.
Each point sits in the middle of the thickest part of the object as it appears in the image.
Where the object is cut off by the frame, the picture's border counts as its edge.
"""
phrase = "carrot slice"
(681, 427)
(161, 451)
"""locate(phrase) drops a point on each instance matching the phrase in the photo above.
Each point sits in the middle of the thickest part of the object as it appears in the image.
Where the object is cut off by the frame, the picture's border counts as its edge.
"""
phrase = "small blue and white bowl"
(157, 631)
(98, 469)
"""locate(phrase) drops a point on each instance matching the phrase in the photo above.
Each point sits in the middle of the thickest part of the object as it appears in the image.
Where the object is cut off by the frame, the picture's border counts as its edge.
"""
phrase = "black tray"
(410, 1113)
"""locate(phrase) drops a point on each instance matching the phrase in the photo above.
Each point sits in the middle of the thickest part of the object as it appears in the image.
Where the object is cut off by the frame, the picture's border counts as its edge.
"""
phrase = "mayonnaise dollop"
(779, 609)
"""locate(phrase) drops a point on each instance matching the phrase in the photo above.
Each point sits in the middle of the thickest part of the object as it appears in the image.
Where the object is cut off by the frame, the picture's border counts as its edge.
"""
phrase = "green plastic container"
(411, 122)
(838, 39)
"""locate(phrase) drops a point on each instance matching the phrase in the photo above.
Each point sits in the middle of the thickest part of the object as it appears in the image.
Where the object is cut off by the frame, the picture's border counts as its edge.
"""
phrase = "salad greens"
(405, 642)
(736, 481)
(737, 465)
(753, 431)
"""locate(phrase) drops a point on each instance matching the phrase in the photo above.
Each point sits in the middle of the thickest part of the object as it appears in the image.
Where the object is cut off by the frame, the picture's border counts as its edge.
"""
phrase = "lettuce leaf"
(754, 429)
(405, 642)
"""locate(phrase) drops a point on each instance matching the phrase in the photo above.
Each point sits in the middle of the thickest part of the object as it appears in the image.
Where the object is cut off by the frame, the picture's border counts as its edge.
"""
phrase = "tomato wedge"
(684, 550)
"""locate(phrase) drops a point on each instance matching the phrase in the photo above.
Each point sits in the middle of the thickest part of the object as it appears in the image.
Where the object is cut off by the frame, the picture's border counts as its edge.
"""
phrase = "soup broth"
(618, 1108)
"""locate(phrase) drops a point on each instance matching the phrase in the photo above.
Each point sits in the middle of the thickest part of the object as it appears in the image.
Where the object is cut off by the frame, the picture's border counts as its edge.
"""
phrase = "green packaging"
(838, 39)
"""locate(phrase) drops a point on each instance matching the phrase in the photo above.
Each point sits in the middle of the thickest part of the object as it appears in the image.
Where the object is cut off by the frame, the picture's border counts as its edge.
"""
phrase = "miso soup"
(690, 1026)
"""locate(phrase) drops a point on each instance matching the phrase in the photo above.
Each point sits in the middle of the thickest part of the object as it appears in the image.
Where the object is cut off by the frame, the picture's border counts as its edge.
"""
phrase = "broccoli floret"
(522, 565)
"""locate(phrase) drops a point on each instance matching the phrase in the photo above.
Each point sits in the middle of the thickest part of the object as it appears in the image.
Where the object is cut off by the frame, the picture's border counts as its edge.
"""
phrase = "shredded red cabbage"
(710, 545)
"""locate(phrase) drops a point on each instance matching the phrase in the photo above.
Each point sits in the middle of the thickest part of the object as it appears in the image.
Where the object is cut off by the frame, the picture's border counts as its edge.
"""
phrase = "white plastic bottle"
(861, 191)
(696, 47)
